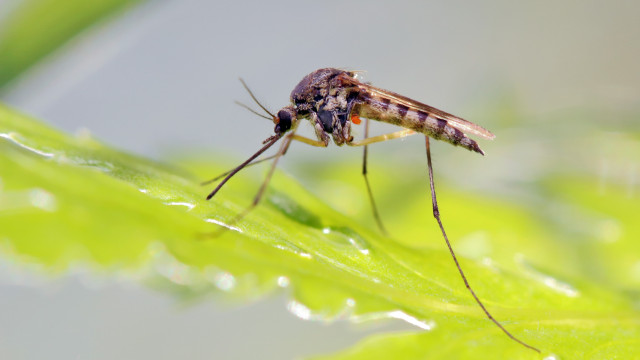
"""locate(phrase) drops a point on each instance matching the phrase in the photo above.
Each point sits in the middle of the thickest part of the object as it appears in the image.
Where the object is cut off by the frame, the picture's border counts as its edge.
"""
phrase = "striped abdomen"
(379, 108)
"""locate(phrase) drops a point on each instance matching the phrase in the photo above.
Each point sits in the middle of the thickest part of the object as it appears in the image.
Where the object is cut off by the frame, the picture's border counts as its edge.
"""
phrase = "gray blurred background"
(161, 80)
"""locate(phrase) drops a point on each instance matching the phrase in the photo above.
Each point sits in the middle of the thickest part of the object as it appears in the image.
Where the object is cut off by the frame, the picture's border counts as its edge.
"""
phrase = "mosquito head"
(285, 120)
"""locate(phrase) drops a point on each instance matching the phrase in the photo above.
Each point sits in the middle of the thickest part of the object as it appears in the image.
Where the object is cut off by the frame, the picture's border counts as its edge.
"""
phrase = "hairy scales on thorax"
(327, 103)
(329, 97)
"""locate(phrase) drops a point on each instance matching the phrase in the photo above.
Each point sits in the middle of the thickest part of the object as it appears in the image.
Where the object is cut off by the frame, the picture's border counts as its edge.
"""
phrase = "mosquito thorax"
(284, 119)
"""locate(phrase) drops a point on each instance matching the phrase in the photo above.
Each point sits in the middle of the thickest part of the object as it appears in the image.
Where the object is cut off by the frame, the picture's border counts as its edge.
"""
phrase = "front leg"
(320, 133)
(345, 133)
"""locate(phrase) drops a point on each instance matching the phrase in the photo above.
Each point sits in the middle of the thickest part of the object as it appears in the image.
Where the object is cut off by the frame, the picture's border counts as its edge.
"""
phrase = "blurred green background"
(557, 82)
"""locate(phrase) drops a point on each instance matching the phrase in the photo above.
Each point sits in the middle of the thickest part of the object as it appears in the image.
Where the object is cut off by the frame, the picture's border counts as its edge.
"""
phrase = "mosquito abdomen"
(387, 110)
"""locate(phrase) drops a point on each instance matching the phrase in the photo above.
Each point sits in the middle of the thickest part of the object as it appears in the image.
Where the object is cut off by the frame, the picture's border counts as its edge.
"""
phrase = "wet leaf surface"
(567, 286)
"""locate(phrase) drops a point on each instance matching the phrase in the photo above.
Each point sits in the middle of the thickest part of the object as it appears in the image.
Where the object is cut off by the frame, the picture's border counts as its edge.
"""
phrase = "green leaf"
(38, 27)
(71, 201)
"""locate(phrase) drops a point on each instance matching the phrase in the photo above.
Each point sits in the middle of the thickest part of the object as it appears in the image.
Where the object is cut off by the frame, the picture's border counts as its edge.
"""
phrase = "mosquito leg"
(283, 149)
(380, 138)
(292, 136)
(268, 143)
(436, 214)
(370, 140)
(229, 172)
(376, 215)
(318, 143)
(263, 187)
(306, 140)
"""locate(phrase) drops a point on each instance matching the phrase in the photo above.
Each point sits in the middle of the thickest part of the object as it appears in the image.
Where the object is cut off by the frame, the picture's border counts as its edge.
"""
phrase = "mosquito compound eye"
(285, 120)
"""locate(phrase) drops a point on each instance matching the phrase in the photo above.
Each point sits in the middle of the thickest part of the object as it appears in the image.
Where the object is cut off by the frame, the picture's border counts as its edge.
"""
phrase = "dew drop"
(396, 314)
(172, 269)
(103, 166)
(224, 281)
(359, 245)
(347, 238)
(42, 200)
(548, 280)
(299, 310)
(401, 315)
(189, 206)
(29, 198)
(283, 281)
(218, 222)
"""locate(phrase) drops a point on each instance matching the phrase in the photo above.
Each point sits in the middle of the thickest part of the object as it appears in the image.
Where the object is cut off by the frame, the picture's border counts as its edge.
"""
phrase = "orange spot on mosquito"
(356, 119)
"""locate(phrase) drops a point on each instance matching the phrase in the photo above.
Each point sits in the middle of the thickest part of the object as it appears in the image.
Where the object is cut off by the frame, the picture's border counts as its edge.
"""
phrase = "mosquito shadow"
(293, 210)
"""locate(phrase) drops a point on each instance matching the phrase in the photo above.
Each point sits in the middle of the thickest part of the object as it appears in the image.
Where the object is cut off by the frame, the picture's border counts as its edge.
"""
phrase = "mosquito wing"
(454, 121)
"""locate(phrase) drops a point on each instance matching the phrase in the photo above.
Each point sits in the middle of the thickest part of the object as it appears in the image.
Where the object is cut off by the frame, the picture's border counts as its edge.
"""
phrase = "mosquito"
(334, 99)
